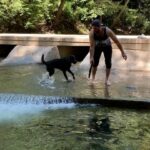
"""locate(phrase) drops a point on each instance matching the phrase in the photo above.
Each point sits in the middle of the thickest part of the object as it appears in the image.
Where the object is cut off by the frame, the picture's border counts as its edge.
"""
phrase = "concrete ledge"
(70, 40)
(11, 98)
(121, 103)
(137, 47)
(44, 39)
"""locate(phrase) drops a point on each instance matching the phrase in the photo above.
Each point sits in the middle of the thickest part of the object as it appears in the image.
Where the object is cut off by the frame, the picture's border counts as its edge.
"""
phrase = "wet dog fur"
(63, 64)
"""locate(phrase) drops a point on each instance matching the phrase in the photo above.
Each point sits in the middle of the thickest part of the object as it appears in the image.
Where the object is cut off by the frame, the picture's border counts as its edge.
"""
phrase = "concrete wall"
(136, 47)
(137, 50)
(137, 60)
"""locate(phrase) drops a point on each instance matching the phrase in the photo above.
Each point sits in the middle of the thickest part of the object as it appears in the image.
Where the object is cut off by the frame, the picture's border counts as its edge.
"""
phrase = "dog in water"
(63, 64)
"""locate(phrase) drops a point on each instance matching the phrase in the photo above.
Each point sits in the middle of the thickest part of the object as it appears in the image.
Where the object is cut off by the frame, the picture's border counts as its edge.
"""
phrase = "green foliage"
(32, 15)
(145, 8)
(85, 9)
(111, 10)
(24, 15)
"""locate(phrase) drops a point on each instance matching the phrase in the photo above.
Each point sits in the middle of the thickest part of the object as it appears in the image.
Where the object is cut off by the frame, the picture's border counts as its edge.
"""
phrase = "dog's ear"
(73, 59)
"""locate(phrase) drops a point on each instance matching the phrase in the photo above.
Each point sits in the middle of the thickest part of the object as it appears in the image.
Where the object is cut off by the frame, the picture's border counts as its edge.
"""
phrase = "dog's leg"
(51, 72)
(64, 72)
(71, 73)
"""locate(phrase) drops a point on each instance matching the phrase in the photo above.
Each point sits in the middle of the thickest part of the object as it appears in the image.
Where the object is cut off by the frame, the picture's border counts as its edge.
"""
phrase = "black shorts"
(107, 50)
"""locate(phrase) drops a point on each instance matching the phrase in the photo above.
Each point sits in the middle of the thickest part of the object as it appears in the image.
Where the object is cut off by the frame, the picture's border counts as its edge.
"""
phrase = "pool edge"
(121, 103)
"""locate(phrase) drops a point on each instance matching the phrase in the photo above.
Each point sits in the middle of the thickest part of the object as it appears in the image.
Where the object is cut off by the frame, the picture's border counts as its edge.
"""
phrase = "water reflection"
(97, 88)
(96, 125)
(93, 89)
(106, 91)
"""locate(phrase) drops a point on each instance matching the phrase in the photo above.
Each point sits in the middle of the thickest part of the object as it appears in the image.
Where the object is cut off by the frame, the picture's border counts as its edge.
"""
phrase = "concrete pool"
(38, 112)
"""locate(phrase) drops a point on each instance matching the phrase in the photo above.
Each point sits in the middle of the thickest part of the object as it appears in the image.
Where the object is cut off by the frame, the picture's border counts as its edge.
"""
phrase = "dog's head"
(73, 59)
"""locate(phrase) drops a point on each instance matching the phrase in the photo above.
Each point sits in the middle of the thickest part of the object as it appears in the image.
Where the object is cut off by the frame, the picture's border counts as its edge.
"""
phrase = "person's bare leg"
(107, 82)
(94, 69)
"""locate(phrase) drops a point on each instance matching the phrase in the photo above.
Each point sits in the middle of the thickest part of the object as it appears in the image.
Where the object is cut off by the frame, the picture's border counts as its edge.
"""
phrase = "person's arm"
(92, 46)
(115, 39)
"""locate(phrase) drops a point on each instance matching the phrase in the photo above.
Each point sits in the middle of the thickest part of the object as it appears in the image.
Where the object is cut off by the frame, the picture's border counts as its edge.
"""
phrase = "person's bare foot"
(107, 82)
(92, 81)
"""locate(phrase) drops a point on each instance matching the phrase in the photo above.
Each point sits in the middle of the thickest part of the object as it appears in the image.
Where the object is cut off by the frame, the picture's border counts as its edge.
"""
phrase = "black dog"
(63, 64)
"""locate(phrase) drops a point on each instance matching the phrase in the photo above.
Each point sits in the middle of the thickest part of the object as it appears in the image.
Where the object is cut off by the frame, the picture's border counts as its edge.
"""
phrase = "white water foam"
(46, 81)
(17, 106)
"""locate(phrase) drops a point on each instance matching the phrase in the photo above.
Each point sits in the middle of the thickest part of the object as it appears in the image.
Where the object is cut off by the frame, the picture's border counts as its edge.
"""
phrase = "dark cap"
(96, 23)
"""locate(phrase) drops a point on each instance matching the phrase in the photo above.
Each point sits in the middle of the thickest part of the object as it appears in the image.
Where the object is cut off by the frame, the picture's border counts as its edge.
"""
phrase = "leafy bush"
(33, 15)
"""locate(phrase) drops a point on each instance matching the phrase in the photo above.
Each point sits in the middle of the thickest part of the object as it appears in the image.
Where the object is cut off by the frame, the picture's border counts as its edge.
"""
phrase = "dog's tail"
(42, 59)
(90, 70)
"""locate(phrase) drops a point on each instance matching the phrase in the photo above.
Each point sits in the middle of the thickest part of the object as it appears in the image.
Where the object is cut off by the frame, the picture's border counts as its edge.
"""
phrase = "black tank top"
(102, 40)
(97, 37)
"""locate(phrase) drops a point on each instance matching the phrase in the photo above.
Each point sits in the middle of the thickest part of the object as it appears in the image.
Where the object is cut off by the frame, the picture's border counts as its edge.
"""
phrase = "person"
(99, 37)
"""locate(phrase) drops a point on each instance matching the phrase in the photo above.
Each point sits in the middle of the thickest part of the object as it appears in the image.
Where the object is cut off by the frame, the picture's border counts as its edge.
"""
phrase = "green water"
(71, 129)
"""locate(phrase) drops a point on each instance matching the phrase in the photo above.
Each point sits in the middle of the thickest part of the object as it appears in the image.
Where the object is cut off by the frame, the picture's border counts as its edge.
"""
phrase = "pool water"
(30, 121)
(34, 80)
(76, 128)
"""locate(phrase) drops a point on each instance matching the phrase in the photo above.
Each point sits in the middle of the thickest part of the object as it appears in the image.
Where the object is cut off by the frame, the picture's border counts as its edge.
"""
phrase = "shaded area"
(79, 51)
(5, 50)
(121, 103)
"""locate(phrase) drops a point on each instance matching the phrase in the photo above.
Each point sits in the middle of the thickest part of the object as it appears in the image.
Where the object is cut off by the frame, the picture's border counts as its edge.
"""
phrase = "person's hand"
(91, 60)
(124, 55)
